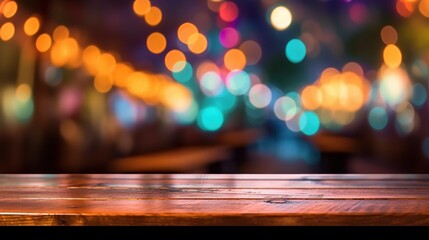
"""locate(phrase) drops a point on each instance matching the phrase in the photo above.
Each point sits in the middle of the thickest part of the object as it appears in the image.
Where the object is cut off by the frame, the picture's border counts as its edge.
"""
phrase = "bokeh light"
(424, 7)
(378, 118)
(7, 31)
(234, 59)
(252, 50)
(43, 42)
(285, 108)
(210, 119)
(9, 9)
(185, 31)
(309, 123)
(281, 18)
(182, 71)
(197, 43)
(141, 7)
(172, 57)
(260, 95)
(295, 51)
(211, 84)
(389, 35)
(154, 16)
(419, 96)
(229, 37)
(228, 11)
(156, 43)
(238, 82)
(392, 56)
(31, 26)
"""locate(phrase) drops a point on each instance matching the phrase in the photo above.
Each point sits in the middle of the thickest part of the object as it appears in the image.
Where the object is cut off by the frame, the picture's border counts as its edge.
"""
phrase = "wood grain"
(217, 199)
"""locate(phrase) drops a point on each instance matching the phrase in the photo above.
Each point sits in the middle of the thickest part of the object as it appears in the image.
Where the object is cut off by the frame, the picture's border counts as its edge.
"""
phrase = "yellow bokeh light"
(234, 59)
(121, 73)
(60, 33)
(90, 56)
(153, 17)
(105, 63)
(156, 43)
(197, 43)
(177, 98)
(7, 31)
(65, 52)
(392, 56)
(43, 42)
(23, 92)
(9, 9)
(31, 26)
(281, 18)
(141, 7)
(185, 31)
(424, 8)
(311, 97)
(172, 57)
(138, 84)
(389, 35)
(103, 83)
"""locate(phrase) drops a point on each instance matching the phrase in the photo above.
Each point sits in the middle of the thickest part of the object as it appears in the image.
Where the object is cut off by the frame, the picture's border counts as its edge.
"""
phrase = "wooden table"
(193, 199)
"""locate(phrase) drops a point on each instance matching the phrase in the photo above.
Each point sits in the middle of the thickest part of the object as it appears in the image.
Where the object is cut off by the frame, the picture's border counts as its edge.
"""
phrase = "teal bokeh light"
(378, 118)
(309, 123)
(295, 51)
(182, 71)
(210, 119)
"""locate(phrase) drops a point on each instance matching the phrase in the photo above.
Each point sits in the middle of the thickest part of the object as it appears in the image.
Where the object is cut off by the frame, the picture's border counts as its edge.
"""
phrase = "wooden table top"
(213, 199)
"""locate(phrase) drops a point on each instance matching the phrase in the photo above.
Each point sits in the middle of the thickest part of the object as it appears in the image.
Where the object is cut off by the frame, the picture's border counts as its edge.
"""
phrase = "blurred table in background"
(213, 199)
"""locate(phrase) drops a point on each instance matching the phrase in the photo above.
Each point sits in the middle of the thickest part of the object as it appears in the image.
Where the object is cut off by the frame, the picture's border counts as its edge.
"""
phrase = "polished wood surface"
(216, 199)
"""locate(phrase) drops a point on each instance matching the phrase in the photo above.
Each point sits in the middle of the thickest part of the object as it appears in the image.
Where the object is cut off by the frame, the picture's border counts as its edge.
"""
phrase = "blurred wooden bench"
(213, 199)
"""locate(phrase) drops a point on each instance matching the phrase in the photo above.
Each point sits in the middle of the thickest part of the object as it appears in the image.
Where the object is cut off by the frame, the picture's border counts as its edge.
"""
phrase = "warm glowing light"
(311, 97)
(197, 43)
(424, 8)
(281, 18)
(185, 31)
(90, 56)
(23, 92)
(252, 50)
(395, 85)
(228, 11)
(9, 9)
(156, 43)
(354, 68)
(177, 98)
(43, 42)
(31, 26)
(405, 7)
(105, 63)
(234, 59)
(153, 17)
(103, 83)
(389, 35)
(7, 31)
(60, 33)
(65, 52)
(392, 56)
(172, 57)
(121, 73)
(138, 84)
(141, 7)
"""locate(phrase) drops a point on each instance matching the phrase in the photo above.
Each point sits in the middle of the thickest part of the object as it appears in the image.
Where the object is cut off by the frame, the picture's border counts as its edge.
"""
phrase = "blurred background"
(214, 86)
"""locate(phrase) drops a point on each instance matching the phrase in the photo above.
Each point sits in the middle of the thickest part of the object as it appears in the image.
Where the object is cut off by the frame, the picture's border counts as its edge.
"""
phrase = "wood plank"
(191, 193)
(214, 212)
(256, 177)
